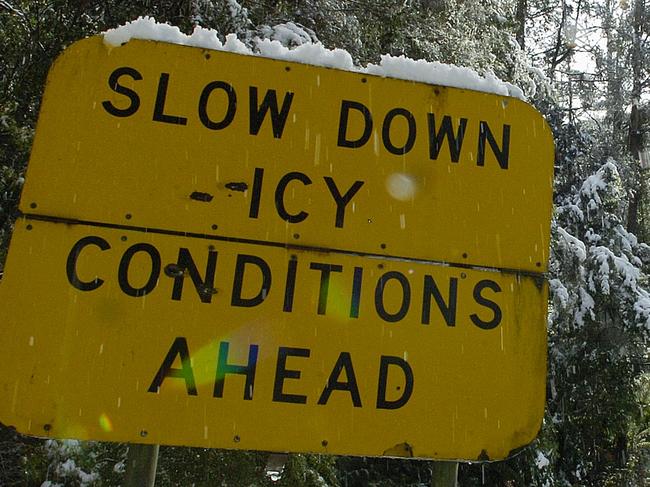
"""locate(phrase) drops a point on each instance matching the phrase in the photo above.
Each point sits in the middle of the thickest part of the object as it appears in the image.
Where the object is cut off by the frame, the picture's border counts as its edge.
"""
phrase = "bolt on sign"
(228, 251)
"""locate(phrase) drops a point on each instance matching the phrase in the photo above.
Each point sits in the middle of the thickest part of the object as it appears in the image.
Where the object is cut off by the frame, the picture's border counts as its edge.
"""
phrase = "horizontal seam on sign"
(288, 246)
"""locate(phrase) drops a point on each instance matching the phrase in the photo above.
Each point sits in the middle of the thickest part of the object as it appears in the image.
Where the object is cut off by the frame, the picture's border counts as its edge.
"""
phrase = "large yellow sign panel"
(163, 136)
(258, 347)
(225, 251)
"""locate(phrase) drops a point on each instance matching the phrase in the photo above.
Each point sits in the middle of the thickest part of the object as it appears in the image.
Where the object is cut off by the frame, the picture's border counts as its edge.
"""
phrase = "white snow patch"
(560, 292)
(147, 28)
(642, 310)
(441, 74)
(541, 461)
(233, 44)
(309, 52)
(586, 307)
(236, 9)
(595, 183)
(628, 272)
(68, 467)
(575, 211)
(289, 34)
(572, 244)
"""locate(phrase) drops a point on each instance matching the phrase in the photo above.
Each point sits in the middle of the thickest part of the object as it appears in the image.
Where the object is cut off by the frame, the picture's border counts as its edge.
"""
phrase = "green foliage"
(383, 472)
(206, 467)
(308, 471)
(75, 463)
(15, 141)
(638, 463)
(598, 331)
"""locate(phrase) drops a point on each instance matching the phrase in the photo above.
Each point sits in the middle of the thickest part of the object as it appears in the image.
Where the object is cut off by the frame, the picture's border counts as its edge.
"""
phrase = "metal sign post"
(444, 474)
(141, 463)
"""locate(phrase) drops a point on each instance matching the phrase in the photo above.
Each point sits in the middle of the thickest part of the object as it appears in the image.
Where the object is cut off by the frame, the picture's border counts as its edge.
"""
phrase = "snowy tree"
(599, 329)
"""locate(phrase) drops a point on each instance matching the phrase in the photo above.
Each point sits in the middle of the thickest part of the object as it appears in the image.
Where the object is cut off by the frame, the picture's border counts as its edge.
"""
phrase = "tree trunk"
(520, 19)
(634, 142)
(141, 463)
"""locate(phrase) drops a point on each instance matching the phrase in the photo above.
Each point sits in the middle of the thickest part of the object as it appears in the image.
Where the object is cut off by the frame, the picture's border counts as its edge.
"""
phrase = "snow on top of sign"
(316, 54)
(441, 74)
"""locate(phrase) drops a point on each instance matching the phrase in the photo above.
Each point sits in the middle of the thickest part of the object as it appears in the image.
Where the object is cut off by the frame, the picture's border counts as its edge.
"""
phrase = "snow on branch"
(596, 184)
(608, 262)
(572, 244)
(642, 310)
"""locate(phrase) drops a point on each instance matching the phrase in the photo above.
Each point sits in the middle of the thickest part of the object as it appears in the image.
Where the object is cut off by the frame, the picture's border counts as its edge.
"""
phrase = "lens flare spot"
(105, 423)
(401, 186)
(338, 305)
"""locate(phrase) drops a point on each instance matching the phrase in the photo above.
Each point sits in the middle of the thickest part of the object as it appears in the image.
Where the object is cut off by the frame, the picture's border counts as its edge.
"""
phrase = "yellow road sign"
(259, 347)
(177, 138)
(216, 245)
